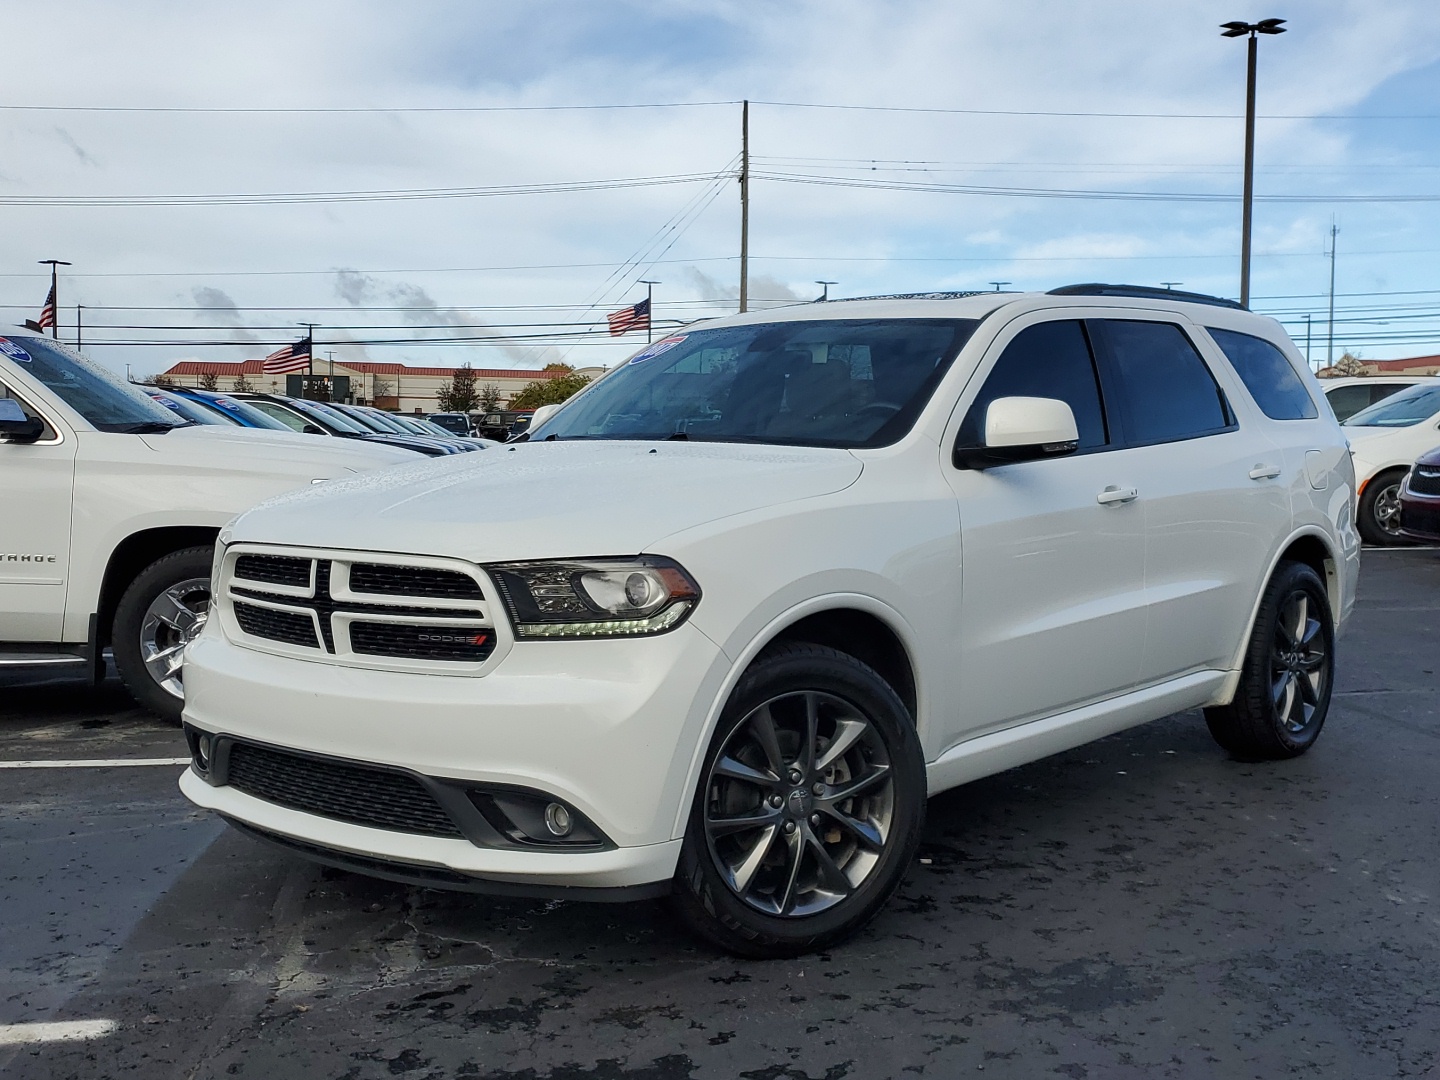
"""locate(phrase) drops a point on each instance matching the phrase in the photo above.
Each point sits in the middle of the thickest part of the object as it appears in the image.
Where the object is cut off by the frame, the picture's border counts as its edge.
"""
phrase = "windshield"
(240, 411)
(104, 399)
(187, 409)
(326, 415)
(850, 382)
(452, 422)
(382, 422)
(1404, 409)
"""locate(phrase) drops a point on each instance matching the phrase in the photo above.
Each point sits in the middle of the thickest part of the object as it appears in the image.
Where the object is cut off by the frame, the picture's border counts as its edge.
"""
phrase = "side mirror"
(16, 426)
(1022, 429)
(311, 429)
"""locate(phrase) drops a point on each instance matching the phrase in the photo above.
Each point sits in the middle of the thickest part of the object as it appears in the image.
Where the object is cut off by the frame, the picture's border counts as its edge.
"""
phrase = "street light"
(1241, 29)
(825, 288)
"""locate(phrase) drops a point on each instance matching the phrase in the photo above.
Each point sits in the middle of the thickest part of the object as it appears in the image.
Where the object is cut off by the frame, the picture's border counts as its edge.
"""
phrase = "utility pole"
(310, 357)
(79, 325)
(650, 308)
(1330, 323)
(1240, 29)
(1307, 339)
(745, 205)
(54, 264)
(330, 356)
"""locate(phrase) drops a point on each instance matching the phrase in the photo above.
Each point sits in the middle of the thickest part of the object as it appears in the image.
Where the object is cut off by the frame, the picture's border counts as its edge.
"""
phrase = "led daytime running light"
(608, 628)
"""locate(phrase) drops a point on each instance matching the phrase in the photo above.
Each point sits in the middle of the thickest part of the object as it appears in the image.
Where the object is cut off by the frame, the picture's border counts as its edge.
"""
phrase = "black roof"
(1143, 292)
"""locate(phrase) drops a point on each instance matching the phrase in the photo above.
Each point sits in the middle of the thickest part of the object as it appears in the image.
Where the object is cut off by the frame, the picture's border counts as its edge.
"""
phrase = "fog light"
(557, 819)
(202, 751)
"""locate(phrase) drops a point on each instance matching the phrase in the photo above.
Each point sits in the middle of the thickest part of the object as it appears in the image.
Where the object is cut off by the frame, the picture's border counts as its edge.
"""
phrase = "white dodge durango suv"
(721, 624)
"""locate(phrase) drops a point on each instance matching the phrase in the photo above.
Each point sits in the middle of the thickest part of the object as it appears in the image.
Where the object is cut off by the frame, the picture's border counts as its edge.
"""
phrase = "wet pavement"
(1141, 907)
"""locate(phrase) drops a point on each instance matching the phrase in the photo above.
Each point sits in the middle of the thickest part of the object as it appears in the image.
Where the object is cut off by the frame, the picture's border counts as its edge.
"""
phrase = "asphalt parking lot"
(1141, 907)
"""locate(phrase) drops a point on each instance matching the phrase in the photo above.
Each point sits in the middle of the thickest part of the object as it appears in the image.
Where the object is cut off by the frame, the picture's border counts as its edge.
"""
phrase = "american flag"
(47, 313)
(636, 317)
(290, 359)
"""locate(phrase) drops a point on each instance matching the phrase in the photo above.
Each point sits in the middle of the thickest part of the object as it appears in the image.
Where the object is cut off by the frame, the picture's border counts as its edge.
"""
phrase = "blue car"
(226, 408)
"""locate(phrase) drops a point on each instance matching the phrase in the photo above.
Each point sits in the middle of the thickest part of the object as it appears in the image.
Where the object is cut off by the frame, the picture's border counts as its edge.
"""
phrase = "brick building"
(1414, 365)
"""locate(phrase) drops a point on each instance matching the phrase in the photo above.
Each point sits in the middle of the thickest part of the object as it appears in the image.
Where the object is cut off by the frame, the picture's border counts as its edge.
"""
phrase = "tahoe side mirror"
(17, 427)
(1022, 429)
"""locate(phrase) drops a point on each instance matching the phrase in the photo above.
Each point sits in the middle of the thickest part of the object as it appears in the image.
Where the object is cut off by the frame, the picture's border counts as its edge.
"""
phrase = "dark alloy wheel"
(1285, 683)
(1378, 515)
(809, 807)
(161, 612)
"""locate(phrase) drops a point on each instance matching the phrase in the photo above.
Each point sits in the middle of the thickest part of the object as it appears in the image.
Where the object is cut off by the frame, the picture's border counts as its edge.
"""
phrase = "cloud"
(761, 287)
(216, 305)
(76, 148)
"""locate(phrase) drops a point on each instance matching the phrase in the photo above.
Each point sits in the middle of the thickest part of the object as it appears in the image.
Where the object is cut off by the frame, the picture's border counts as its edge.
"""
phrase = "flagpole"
(649, 307)
(54, 265)
(310, 359)
(745, 206)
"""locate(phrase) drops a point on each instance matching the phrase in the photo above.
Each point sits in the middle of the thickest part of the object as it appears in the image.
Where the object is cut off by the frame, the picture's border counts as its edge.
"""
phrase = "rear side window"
(1267, 374)
(1346, 401)
(1050, 360)
(1162, 387)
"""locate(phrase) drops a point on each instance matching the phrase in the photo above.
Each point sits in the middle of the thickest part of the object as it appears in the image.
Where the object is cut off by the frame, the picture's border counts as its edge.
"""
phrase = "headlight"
(588, 598)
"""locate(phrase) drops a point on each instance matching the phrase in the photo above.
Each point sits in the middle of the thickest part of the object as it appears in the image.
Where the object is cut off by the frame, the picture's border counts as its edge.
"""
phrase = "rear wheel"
(1378, 515)
(158, 615)
(1285, 682)
(809, 808)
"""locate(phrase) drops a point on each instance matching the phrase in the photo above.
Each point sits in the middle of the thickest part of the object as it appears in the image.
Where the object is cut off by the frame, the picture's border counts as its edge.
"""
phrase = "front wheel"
(809, 807)
(158, 615)
(1286, 678)
(1378, 515)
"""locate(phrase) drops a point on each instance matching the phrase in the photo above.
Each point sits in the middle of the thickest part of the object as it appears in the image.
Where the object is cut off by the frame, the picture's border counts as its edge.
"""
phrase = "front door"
(37, 481)
(1052, 595)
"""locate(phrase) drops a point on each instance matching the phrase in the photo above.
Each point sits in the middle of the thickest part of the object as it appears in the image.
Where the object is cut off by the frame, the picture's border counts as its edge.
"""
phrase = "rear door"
(1052, 600)
(1214, 492)
(37, 483)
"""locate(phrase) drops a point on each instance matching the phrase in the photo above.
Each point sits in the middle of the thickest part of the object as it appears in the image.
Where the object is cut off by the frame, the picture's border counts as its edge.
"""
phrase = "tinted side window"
(1162, 387)
(1051, 360)
(1380, 391)
(1267, 374)
(1348, 400)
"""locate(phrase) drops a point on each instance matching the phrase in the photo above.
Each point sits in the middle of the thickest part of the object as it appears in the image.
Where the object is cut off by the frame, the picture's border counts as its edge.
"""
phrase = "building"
(1414, 365)
(397, 387)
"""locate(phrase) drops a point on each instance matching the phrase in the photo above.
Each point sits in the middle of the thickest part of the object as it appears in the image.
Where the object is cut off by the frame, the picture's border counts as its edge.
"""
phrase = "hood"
(548, 500)
(261, 450)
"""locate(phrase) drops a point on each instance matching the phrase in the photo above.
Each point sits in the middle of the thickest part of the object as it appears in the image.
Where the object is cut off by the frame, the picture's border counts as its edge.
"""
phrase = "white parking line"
(71, 1031)
(95, 763)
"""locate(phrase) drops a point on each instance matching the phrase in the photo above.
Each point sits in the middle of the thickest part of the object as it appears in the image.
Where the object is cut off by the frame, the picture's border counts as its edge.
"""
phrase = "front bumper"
(609, 727)
(1419, 515)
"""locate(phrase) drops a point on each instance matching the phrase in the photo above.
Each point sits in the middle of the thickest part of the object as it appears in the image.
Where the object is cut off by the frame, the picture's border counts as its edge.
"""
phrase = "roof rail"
(1143, 292)
(909, 296)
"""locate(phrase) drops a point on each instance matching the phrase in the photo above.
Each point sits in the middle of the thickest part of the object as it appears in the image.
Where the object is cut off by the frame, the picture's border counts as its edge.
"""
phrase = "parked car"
(1385, 440)
(184, 408)
(1350, 394)
(376, 420)
(230, 409)
(110, 503)
(1420, 500)
(420, 426)
(317, 418)
(502, 426)
(761, 590)
(457, 423)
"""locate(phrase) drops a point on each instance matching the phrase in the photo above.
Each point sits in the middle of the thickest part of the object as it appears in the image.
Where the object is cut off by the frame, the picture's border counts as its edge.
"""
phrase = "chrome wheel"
(1298, 664)
(799, 804)
(1387, 509)
(171, 621)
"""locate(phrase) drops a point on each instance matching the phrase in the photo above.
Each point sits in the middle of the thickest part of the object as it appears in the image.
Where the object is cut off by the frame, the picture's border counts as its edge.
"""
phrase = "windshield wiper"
(148, 427)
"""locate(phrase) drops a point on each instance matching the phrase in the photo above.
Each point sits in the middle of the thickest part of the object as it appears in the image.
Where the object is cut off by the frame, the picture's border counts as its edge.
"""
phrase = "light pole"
(54, 264)
(649, 308)
(825, 288)
(1241, 29)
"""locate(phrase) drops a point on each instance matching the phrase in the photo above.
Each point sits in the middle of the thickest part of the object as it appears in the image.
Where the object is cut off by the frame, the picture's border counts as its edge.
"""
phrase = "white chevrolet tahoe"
(109, 508)
(726, 619)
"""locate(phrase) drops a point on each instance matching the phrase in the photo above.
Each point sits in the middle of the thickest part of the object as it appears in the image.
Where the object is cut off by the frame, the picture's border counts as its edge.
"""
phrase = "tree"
(209, 380)
(159, 380)
(549, 391)
(243, 385)
(1349, 364)
(458, 395)
(381, 387)
(489, 398)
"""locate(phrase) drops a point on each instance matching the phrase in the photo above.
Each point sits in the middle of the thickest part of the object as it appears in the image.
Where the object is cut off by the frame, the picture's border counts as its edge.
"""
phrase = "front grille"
(1425, 481)
(386, 580)
(411, 642)
(358, 794)
(290, 627)
(274, 570)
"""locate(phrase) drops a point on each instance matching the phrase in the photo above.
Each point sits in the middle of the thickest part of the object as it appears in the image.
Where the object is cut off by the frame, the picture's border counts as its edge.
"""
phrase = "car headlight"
(589, 598)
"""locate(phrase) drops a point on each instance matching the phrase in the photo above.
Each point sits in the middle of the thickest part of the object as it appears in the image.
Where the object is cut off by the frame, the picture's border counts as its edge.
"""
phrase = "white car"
(1385, 440)
(109, 507)
(730, 615)
(1348, 395)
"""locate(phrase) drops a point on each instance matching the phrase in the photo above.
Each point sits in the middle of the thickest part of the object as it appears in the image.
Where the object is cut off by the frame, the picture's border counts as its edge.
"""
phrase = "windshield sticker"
(226, 403)
(664, 345)
(166, 402)
(14, 351)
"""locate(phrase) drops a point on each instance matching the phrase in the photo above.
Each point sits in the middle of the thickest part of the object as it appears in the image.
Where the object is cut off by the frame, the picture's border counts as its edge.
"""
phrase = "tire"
(1378, 515)
(163, 608)
(855, 814)
(1288, 672)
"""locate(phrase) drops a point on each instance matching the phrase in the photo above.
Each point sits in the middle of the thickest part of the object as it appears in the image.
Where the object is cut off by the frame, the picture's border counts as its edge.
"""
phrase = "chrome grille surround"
(333, 605)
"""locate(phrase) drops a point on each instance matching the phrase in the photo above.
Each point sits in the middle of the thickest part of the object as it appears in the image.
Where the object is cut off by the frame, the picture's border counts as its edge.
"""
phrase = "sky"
(445, 182)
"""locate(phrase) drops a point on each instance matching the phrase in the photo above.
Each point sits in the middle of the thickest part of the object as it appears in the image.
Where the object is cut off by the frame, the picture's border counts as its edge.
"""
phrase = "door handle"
(1112, 495)
(1264, 472)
